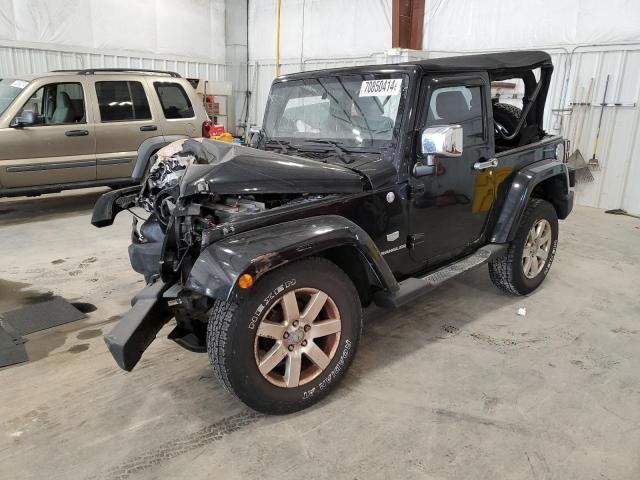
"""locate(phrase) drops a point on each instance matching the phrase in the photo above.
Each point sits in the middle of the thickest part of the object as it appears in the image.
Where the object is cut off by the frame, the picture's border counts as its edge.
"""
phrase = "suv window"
(122, 100)
(458, 106)
(174, 100)
(57, 104)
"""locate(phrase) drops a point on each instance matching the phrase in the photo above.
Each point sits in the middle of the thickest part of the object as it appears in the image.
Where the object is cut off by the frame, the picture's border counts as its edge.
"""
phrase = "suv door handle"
(76, 133)
(488, 164)
(148, 128)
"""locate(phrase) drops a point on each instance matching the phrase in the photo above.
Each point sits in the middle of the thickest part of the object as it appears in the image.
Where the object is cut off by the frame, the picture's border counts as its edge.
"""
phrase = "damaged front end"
(196, 193)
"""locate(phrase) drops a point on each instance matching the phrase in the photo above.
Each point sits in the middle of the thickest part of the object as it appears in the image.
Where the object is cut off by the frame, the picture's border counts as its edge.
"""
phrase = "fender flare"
(522, 185)
(256, 252)
(146, 149)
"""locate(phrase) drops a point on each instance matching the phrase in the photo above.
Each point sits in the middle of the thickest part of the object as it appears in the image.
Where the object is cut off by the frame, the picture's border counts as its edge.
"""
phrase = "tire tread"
(221, 321)
(501, 268)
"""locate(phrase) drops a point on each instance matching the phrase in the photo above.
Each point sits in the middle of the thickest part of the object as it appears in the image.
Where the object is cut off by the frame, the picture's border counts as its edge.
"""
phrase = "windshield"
(352, 110)
(9, 90)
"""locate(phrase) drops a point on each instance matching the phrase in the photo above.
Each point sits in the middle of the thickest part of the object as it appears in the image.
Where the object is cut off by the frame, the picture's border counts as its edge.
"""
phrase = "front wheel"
(291, 340)
(526, 263)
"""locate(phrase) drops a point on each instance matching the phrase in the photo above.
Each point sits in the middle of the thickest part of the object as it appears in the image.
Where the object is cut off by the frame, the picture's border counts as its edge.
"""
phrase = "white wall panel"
(319, 28)
(16, 60)
(190, 28)
(464, 25)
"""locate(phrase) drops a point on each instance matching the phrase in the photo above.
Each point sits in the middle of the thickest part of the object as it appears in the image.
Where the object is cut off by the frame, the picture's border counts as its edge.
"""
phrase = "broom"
(576, 160)
(593, 162)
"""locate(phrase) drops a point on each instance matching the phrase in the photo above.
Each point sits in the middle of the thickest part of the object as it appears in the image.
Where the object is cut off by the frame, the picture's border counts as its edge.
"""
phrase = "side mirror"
(257, 137)
(445, 140)
(442, 140)
(27, 118)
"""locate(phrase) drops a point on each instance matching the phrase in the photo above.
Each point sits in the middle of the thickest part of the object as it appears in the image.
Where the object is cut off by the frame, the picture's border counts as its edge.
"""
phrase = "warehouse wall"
(314, 34)
(495, 25)
(587, 39)
(187, 36)
(188, 28)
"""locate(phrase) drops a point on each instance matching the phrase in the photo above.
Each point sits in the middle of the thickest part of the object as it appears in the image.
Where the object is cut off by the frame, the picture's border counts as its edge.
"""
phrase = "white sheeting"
(464, 25)
(193, 28)
(332, 28)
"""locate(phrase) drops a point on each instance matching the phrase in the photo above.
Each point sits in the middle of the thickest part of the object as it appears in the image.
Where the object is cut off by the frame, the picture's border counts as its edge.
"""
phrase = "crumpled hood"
(234, 169)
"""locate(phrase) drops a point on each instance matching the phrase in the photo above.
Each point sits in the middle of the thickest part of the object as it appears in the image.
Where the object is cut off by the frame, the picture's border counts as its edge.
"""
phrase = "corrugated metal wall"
(616, 184)
(16, 59)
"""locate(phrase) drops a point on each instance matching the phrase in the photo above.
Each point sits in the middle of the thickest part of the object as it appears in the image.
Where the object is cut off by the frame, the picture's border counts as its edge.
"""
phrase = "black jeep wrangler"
(367, 184)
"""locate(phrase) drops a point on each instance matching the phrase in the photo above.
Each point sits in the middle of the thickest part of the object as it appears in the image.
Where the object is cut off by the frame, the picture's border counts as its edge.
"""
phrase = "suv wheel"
(291, 340)
(527, 261)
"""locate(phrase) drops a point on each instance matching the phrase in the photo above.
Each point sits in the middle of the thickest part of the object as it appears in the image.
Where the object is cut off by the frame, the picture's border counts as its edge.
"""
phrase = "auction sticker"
(19, 84)
(381, 88)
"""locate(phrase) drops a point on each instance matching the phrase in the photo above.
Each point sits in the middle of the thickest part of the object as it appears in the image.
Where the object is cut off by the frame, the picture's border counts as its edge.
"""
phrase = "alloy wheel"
(536, 248)
(297, 337)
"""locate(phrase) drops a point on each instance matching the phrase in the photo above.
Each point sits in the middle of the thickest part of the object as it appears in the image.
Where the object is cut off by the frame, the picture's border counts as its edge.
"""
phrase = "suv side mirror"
(27, 118)
(444, 140)
(257, 137)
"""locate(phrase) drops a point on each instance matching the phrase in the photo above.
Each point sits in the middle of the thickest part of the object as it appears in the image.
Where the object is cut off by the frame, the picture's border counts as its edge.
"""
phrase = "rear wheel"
(291, 340)
(527, 261)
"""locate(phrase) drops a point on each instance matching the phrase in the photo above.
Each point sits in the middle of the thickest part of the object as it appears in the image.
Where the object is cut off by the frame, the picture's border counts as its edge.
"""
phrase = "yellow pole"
(278, 39)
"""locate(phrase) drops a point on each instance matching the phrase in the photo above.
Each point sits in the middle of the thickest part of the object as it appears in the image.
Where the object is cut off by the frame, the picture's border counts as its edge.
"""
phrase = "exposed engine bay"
(190, 218)
(161, 192)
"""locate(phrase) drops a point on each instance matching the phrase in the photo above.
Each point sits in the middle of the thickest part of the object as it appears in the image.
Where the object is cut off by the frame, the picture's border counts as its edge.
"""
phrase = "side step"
(414, 287)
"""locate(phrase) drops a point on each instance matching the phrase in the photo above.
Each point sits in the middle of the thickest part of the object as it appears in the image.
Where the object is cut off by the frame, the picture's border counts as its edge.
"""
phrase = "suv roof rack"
(93, 71)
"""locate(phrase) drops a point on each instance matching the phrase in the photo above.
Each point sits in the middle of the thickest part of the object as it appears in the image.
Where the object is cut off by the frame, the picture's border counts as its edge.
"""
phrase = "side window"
(121, 101)
(57, 104)
(458, 106)
(174, 100)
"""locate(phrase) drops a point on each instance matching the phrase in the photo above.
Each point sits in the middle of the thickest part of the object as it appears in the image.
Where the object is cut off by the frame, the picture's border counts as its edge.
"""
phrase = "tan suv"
(77, 129)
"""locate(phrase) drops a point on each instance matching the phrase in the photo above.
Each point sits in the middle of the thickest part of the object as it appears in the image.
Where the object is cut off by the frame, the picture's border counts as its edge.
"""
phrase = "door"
(449, 207)
(58, 147)
(124, 121)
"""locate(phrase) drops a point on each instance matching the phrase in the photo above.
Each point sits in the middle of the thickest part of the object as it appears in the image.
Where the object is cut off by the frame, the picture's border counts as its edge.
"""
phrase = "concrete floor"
(455, 386)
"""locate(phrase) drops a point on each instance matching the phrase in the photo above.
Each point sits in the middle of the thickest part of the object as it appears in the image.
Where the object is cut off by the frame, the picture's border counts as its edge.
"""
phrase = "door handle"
(76, 133)
(148, 128)
(488, 164)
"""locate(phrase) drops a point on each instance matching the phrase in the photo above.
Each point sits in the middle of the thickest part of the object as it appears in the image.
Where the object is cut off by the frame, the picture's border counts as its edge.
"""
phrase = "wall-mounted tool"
(576, 159)
(594, 164)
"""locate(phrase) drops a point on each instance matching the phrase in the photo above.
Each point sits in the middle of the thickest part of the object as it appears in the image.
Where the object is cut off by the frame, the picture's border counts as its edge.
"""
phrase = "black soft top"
(497, 64)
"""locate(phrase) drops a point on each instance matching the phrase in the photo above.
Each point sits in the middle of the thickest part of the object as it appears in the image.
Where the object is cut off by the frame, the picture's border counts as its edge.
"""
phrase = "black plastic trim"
(115, 161)
(523, 183)
(131, 336)
(258, 251)
(58, 187)
(111, 203)
(35, 167)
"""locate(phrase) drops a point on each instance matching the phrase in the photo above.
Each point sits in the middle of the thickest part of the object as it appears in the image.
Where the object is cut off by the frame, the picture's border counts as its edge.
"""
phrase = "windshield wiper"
(283, 144)
(339, 149)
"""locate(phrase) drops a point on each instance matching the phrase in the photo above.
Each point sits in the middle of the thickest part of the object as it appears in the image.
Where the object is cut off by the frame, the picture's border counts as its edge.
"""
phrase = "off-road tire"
(232, 330)
(508, 116)
(507, 271)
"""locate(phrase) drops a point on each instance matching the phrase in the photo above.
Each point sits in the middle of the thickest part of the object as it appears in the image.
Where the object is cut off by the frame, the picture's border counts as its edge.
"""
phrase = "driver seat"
(63, 112)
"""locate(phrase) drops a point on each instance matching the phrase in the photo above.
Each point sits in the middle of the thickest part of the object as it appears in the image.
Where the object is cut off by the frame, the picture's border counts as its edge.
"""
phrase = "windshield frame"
(8, 82)
(312, 141)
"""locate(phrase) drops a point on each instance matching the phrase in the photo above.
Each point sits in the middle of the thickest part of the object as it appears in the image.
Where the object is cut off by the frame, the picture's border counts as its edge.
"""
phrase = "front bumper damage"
(138, 328)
